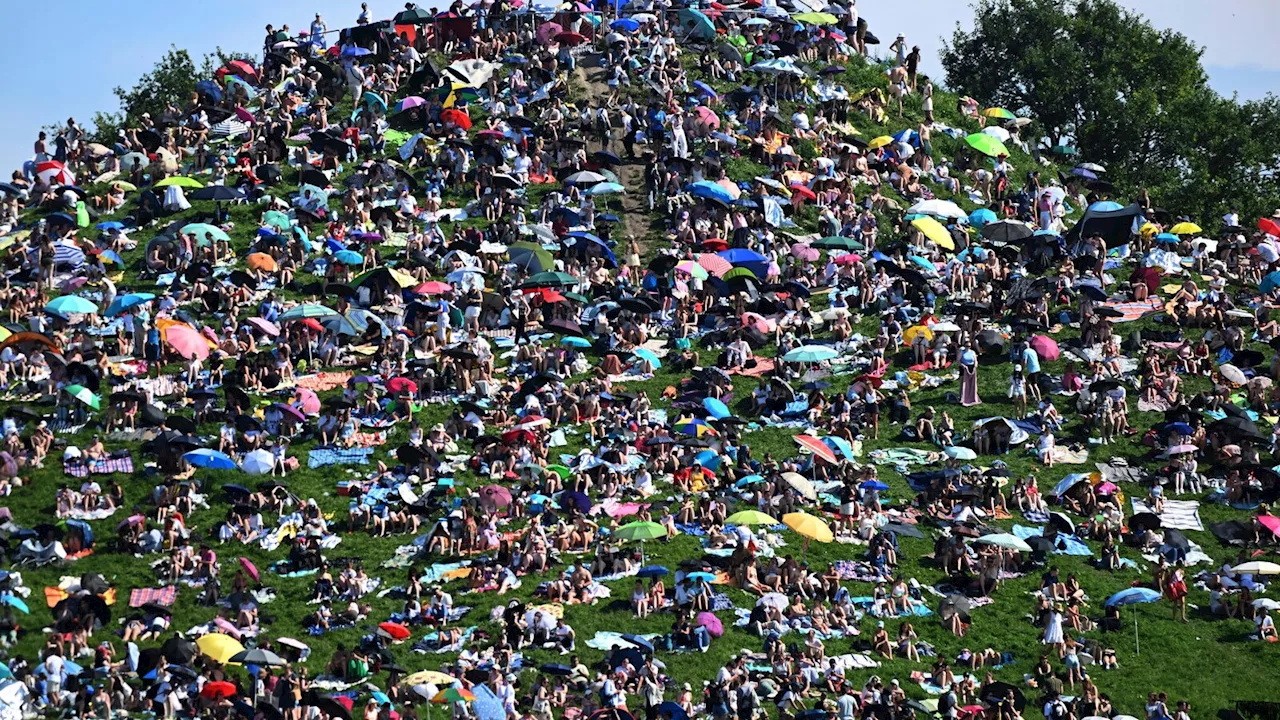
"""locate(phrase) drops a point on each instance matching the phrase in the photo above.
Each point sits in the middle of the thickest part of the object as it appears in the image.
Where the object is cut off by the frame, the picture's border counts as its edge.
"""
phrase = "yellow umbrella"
(934, 230)
(218, 647)
(1148, 230)
(910, 335)
(879, 142)
(429, 676)
(1185, 228)
(809, 526)
(403, 279)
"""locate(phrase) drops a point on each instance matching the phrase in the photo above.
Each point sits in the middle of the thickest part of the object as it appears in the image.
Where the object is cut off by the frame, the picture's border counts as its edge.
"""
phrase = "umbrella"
(1045, 347)
(258, 462)
(956, 452)
(809, 526)
(1133, 596)
(811, 353)
(219, 647)
(209, 459)
(218, 690)
(816, 446)
(986, 144)
(953, 605)
(395, 631)
(84, 395)
(750, 517)
(1257, 567)
(453, 694)
(1232, 374)
(1005, 540)
(71, 305)
(258, 656)
(187, 341)
(1007, 231)
(641, 531)
(1185, 228)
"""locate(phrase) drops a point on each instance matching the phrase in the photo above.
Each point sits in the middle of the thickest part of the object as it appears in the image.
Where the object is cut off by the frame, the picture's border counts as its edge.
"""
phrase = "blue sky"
(75, 54)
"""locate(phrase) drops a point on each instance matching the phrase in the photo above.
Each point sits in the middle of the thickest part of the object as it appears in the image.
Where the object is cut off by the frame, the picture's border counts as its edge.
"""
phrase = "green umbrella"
(815, 18)
(549, 279)
(750, 517)
(84, 395)
(739, 272)
(986, 144)
(1000, 114)
(277, 219)
(641, 531)
(836, 242)
(205, 233)
(1064, 150)
(180, 181)
(309, 310)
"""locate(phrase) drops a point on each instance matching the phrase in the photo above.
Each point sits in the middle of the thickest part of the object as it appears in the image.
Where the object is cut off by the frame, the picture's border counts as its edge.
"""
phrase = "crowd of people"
(501, 218)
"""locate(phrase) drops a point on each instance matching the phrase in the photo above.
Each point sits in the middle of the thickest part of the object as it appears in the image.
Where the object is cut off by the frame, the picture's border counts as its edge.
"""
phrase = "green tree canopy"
(1128, 95)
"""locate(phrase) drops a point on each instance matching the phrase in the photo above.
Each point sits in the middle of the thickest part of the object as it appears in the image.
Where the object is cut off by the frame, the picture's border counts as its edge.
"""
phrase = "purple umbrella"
(291, 410)
(711, 623)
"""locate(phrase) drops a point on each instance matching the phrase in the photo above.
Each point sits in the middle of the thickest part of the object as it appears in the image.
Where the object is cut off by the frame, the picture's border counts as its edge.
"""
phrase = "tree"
(1129, 96)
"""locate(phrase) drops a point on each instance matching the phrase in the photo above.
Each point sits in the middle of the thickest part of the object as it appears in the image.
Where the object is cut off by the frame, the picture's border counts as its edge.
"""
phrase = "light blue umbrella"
(811, 353)
(15, 602)
(71, 304)
(210, 459)
(710, 191)
(981, 217)
(1133, 596)
(839, 444)
(348, 257)
(606, 188)
(1167, 238)
(1270, 282)
(648, 355)
(716, 408)
(577, 342)
(125, 303)
(923, 263)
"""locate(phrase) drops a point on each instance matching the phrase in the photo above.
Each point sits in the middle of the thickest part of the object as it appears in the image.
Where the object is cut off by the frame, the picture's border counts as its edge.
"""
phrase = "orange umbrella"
(263, 262)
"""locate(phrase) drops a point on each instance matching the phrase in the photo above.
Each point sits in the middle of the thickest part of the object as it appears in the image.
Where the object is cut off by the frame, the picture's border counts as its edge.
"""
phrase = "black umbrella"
(1144, 521)
(410, 455)
(179, 650)
(1101, 386)
(247, 423)
(312, 176)
(332, 708)
(1107, 312)
(217, 193)
(998, 693)
(1093, 292)
(663, 263)
(565, 326)
(1007, 231)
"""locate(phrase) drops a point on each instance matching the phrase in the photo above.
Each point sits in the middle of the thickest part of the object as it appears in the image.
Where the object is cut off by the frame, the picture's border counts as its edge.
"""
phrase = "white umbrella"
(1005, 540)
(801, 484)
(774, 600)
(1232, 373)
(585, 177)
(1257, 567)
(1092, 167)
(535, 617)
(998, 133)
(1266, 603)
(945, 327)
(258, 462)
(941, 208)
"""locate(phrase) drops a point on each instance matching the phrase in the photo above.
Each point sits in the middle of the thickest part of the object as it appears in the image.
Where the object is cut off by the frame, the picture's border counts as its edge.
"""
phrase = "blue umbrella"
(110, 225)
(704, 576)
(652, 571)
(606, 188)
(355, 51)
(584, 235)
(710, 191)
(210, 459)
(1270, 282)
(1106, 206)
(210, 88)
(840, 445)
(125, 303)
(672, 711)
(705, 89)
(625, 25)
(874, 485)
(716, 408)
(647, 354)
(71, 304)
(981, 217)
(749, 480)
(15, 602)
(1167, 238)
(577, 342)
(1133, 596)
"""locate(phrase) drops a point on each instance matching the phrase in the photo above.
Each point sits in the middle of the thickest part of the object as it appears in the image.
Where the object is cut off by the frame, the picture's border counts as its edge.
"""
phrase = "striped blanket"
(164, 596)
(1178, 514)
(322, 457)
(1134, 310)
(82, 467)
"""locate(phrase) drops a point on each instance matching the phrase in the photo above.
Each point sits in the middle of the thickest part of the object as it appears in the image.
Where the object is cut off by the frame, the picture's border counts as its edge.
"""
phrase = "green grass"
(1209, 662)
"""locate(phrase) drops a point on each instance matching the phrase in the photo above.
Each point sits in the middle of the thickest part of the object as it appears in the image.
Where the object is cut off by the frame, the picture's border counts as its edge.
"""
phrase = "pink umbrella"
(1107, 488)
(757, 321)
(848, 259)
(496, 495)
(244, 115)
(1045, 347)
(730, 187)
(548, 31)
(712, 623)
(714, 264)
(249, 567)
(290, 410)
(805, 252)
(816, 446)
(75, 283)
(707, 116)
(412, 101)
(309, 400)
(1181, 449)
(402, 385)
(1270, 522)
(623, 509)
(187, 342)
(265, 326)
(225, 626)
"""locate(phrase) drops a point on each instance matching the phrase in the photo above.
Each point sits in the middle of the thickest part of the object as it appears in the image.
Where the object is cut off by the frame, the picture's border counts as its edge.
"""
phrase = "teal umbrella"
(648, 355)
(125, 303)
(71, 305)
(811, 353)
(577, 342)
(696, 24)
(348, 257)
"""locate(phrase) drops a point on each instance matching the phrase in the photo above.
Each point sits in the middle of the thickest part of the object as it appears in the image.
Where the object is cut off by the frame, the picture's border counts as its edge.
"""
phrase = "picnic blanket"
(1120, 473)
(1066, 456)
(1133, 311)
(1178, 514)
(762, 367)
(83, 467)
(1062, 544)
(165, 596)
(322, 457)
(324, 381)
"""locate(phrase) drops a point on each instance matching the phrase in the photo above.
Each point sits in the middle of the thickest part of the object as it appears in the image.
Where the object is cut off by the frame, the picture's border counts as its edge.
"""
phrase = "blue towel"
(1062, 545)
(321, 457)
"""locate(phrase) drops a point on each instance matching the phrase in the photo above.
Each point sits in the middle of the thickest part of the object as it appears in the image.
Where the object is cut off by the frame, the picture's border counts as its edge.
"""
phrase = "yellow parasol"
(934, 230)
(809, 526)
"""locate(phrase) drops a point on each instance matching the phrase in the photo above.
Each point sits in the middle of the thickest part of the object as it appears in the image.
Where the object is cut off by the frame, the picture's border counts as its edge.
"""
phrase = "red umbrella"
(570, 38)
(249, 567)
(715, 245)
(433, 287)
(1045, 347)
(241, 67)
(311, 323)
(804, 192)
(511, 436)
(547, 295)
(490, 135)
(1270, 522)
(396, 631)
(497, 495)
(815, 446)
(712, 623)
(218, 690)
(1269, 226)
(456, 117)
(402, 385)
